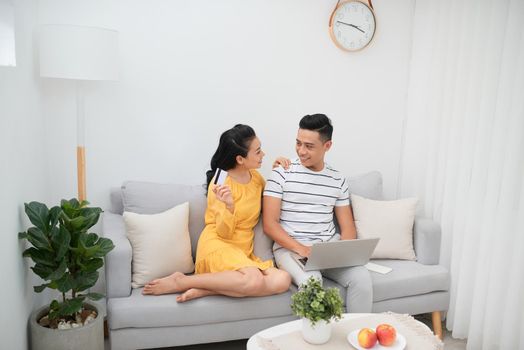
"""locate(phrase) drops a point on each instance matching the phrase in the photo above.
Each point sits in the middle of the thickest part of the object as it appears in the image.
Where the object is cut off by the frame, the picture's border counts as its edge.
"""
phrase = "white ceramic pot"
(317, 334)
(88, 337)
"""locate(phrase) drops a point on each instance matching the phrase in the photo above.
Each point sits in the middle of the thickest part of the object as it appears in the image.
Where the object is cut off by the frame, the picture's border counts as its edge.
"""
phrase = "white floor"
(449, 342)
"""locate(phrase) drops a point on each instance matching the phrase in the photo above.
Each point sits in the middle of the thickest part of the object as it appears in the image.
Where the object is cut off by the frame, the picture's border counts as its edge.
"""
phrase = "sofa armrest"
(118, 261)
(426, 237)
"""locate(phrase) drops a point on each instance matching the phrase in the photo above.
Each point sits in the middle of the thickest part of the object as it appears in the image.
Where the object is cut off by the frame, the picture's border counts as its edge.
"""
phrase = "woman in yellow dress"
(225, 263)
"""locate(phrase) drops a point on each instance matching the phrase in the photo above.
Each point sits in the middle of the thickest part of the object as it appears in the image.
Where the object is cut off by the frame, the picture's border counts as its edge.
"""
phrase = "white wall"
(191, 69)
(23, 177)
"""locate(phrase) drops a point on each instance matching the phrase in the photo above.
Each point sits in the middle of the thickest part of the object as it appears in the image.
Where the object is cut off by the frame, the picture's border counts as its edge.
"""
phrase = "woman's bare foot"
(167, 285)
(194, 293)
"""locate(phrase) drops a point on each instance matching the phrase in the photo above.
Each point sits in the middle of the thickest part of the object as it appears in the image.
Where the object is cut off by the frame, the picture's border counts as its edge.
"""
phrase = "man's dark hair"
(319, 123)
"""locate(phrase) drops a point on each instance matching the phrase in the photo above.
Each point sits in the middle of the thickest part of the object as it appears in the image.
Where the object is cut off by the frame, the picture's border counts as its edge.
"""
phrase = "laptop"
(343, 253)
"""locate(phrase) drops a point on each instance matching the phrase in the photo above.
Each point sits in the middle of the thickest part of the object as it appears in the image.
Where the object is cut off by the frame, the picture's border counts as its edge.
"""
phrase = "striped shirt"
(308, 200)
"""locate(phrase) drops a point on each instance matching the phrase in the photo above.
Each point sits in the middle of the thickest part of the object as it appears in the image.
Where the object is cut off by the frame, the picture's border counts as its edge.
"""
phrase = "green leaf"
(60, 239)
(22, 235)
(92, 264)
(89, 211)
(68, 308)
(314, 302)
(65, 284)
(54, 216)
(70, 205)
(90, 239)
(53, 314)
(92, 215)
(59, 272)
(40, 256)
(37, 238)
(85, 280)
(75, 236)
(106, 245)
(88, 252)
(37, 214)
(42, 271)
(71, 306)
(77, 224)
(40, 288)
(53, 309)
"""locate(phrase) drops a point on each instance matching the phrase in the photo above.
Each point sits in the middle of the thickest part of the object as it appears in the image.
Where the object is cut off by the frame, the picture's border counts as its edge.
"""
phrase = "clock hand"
(351, 25)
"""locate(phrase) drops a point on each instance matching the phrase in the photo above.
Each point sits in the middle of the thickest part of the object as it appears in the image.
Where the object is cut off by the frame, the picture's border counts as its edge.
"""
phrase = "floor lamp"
(79, 53)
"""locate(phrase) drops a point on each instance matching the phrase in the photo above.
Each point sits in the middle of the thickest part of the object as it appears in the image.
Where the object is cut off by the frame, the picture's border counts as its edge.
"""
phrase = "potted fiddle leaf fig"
(318, 307)
(67, 258)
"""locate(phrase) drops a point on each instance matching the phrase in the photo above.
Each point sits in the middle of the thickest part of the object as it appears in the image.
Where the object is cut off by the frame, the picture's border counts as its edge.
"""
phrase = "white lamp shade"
(77, 52)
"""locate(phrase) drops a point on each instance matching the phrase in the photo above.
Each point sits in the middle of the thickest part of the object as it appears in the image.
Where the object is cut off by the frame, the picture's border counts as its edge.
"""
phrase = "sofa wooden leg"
(437, 324)
(106, 329)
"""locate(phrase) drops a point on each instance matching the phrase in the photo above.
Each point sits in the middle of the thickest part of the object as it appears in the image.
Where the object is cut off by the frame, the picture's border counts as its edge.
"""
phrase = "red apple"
(367, 338)
(386, 334)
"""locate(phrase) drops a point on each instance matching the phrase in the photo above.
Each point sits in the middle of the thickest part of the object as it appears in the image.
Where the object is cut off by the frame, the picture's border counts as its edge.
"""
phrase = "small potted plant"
(317, 307)
(67, 258)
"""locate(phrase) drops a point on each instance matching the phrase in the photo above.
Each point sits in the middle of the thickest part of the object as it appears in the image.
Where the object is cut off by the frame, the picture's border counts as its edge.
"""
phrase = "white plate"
(399, 344)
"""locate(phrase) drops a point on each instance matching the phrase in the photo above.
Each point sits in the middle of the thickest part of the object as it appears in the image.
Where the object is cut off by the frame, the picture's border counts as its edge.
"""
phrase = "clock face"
(352, 26)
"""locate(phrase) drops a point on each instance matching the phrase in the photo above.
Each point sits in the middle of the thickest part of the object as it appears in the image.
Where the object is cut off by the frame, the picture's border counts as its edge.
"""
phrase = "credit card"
(220, 177)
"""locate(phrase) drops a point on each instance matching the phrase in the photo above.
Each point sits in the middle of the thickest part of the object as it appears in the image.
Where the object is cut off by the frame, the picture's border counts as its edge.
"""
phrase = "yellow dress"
(226, 244)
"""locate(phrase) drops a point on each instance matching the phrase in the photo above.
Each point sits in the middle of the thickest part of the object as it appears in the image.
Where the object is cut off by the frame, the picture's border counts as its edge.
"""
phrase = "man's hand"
(304, 251)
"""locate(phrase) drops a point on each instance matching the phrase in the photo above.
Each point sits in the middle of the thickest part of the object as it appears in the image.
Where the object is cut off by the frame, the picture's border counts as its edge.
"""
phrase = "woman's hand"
(283, 162)
(223, 194)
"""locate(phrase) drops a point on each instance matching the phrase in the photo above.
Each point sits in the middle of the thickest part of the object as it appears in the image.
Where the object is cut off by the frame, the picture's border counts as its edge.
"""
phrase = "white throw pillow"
(160, 242)
(391, 221)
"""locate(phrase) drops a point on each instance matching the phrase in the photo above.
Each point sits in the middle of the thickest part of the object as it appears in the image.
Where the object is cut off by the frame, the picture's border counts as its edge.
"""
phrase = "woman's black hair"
(233, 142)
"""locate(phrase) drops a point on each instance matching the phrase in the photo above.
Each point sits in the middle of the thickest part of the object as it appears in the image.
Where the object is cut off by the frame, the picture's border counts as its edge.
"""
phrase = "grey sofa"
(136, 321)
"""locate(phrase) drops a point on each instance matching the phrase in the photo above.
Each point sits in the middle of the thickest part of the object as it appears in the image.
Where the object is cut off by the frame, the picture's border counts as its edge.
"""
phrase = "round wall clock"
(352, 25)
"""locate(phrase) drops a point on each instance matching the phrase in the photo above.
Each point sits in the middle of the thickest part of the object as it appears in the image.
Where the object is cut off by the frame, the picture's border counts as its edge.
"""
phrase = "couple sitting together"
(299, 201)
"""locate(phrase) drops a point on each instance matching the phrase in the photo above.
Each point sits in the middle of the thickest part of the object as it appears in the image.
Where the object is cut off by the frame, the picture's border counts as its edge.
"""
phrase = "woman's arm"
(283, 162)
(224, 211)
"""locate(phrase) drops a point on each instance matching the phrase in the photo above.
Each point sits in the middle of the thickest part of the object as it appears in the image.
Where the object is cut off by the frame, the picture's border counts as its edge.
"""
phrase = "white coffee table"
(293, 326)
(284, 328)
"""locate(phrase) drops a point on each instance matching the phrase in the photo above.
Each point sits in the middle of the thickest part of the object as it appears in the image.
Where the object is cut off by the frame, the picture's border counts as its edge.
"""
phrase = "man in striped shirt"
(298, 208)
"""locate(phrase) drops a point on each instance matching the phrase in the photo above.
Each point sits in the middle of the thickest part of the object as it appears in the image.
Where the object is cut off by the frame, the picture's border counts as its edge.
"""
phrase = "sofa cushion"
(368, 185)
(262, 245)
(117, 261)
(116, 205)
(160, 244)
(137, 310)
(152, 198)
(391, 221)
(408, 278)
